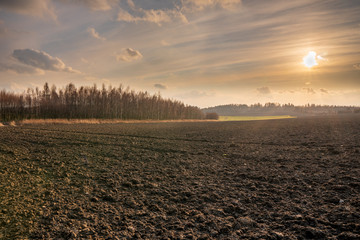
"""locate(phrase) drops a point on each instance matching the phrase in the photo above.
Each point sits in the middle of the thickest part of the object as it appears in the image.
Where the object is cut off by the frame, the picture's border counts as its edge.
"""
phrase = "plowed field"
(276, 179)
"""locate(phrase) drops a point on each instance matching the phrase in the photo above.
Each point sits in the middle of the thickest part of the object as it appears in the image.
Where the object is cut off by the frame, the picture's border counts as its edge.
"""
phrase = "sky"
(202, 52)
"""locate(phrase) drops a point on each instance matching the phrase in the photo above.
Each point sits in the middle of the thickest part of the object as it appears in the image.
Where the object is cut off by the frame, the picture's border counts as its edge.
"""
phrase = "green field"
(253, 118)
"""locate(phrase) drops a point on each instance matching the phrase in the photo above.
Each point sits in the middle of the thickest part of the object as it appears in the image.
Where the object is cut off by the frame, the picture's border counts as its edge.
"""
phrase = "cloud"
(84, 60)
(195, 94)
(357, 66)
(165, 43)
(41, 60)
(37, 8)
(20, 69)
(3, 29)
(160, 86)
(324, 90)
(95, 5)
(129, 55)
(160, 16)
(16, 87)
(309, 90)
(95, 34)
(199, 5)
(131, 4)
(157, 16)
(91, 79)
(126, 16)
(263, 90)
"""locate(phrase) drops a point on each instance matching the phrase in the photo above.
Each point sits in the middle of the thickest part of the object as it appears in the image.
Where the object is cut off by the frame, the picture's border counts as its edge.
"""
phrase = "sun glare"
(310, 59)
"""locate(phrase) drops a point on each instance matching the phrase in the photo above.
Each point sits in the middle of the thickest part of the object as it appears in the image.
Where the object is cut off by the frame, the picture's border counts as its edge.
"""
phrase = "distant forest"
(91, 102)
(279, 109)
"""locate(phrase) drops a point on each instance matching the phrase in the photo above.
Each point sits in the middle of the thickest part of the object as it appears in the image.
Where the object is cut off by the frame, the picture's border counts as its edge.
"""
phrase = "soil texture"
(276, 179)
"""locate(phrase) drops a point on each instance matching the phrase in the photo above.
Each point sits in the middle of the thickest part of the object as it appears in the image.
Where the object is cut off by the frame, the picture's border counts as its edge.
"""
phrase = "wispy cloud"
(20, 69)
(41, 60)
(263, 90)
(3, 29)
(129, 55)
(199, 5)
(324, 90)
(37, 8)
(177, 12)
(214, 46)
(196, 94)
(309, 90)
(126, 16)
(165, 43)
(157, 16)
(95, 5)
(160, 86)
(131, 4)
(357, 66)
(95, 34)
(84, 60)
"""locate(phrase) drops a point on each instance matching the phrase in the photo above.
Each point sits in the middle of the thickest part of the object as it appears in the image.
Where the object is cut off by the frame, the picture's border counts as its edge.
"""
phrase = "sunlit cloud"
(129, 55)
(160, 86)
(36, 8)
(263, 90)
(157, 16)
(131, 4)
(178, 12)
(126, 16)
(95, 34)
(41, 60)
(199, 5)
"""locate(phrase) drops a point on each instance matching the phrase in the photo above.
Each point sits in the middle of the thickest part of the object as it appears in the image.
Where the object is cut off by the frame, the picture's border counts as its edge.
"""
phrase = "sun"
(310, 59)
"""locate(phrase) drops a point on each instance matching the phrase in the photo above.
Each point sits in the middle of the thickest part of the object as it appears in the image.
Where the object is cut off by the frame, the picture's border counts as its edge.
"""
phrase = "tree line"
(91, 102)
(279, 109)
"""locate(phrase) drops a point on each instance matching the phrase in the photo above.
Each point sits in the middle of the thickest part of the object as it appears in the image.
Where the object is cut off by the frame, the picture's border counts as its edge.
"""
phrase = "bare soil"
(276, 179)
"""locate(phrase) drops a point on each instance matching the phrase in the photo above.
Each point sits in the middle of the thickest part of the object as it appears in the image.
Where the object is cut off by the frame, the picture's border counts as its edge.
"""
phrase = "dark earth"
(277, 179)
